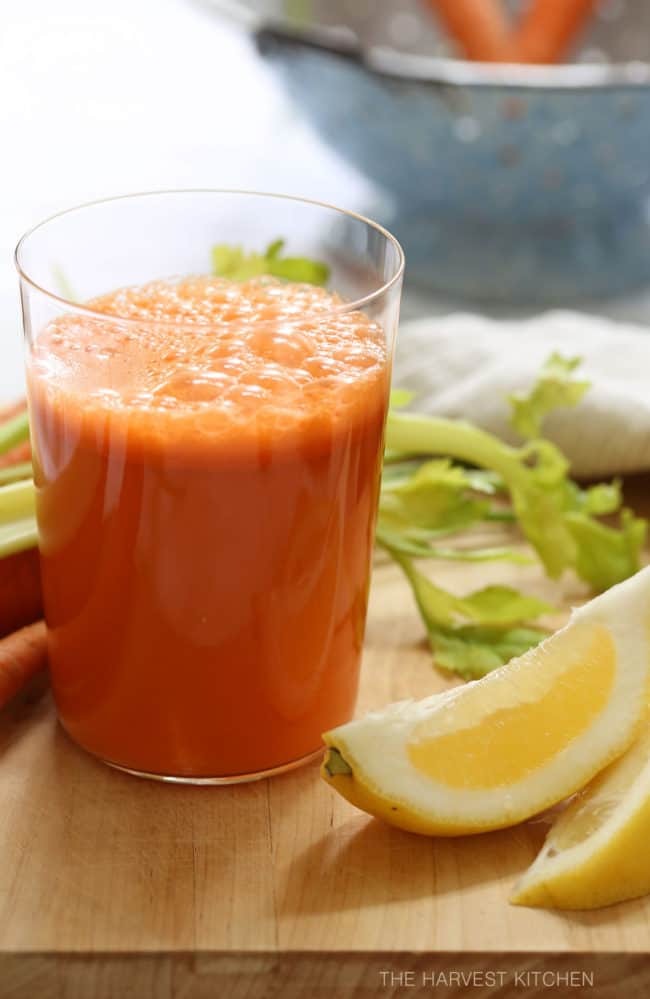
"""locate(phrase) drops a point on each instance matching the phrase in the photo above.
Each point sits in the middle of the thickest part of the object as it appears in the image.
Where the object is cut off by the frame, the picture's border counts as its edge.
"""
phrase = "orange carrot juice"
(207, 462)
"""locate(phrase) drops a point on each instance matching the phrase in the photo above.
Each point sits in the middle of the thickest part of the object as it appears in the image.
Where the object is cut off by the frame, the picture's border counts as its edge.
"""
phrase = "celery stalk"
(17, 536)
(16, 473)
(17, 502)
(14, 432)
(409, 433)
(17, 519)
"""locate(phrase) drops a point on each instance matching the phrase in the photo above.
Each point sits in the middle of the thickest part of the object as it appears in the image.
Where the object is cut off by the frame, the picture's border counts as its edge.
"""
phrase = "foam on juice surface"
(262, 353)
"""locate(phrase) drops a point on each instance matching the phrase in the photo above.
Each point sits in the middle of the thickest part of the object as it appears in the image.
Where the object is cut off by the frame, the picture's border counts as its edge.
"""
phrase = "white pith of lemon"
(496, 751)
(597, 852)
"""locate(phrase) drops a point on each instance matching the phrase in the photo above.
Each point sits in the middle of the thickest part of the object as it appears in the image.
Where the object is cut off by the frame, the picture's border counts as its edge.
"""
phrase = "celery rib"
(18, 536)
(410, 433)
(16, 473)
(17, 501)
(14, 432)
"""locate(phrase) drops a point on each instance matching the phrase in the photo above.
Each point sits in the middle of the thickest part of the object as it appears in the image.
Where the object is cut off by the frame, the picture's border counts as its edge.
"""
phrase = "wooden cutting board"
(115, 887)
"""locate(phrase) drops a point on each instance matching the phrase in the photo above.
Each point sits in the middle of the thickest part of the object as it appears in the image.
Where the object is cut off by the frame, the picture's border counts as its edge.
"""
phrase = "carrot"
(22, 655)
(547, 30)
(20, 590)
(480, 27)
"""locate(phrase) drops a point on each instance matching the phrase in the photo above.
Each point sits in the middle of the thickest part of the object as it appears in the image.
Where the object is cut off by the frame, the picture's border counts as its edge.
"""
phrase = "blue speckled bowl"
(514, 184)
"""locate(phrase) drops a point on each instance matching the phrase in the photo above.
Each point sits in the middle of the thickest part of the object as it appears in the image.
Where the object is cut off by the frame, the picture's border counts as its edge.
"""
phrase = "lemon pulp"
(599, 801)
(498, 741)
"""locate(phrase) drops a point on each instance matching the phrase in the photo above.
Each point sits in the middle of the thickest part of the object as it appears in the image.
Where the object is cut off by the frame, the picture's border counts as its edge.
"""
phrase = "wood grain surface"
(112, 886)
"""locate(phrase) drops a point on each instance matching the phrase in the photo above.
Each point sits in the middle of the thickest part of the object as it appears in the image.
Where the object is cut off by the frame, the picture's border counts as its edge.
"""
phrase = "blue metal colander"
(517, 184)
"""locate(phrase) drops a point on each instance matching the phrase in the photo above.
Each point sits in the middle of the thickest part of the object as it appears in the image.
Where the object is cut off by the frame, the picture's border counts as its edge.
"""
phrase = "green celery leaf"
(438, 607)
(500, 605)
(233, 263)
(274, 249)
(599, 500)
(417, 544)
(299, 269)
(538, 497)
(555, 388)
(434, 496)
(606, 555)
(225, 259)
(491, 605)
(472, 652)
(474, 634)
(414, 541)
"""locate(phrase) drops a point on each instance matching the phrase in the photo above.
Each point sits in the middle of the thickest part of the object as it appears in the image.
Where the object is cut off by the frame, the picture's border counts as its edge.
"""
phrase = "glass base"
(236, 779)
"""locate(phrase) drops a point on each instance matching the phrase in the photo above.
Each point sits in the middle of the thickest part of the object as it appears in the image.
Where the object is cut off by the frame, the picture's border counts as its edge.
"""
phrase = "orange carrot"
(20, 591)
(22, 655)
(480, 27)
(547, 30)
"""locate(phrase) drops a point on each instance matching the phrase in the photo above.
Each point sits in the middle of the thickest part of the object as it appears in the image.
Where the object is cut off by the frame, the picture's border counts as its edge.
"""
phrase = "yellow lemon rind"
(612, 865)
(362, 796)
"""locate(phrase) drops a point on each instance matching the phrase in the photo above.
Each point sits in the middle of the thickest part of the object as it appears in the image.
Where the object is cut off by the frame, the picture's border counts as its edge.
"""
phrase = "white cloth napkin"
(465, 365)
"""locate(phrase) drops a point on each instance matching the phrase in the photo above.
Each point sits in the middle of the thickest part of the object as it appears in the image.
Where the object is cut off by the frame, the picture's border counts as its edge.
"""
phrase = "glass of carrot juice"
(207, 453)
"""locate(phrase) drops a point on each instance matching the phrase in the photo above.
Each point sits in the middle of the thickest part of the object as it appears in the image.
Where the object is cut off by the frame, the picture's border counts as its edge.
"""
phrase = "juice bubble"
(204, 351)
(186, 387)
(286, 348)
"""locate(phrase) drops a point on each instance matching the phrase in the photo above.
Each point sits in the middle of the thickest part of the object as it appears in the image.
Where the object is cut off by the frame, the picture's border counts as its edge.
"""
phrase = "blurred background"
(103, 99)
(514, 188)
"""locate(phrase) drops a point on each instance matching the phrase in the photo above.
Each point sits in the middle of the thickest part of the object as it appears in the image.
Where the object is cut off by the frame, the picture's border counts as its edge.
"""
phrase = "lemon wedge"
(496, 751)
(597, 851)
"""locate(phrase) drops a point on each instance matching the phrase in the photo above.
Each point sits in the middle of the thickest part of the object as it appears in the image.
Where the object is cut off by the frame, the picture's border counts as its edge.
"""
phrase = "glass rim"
(345, 307)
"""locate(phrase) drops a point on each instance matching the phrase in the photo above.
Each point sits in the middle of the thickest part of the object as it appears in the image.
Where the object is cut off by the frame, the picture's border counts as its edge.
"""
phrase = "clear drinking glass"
(206, 480)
